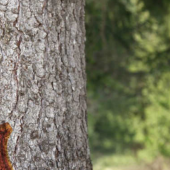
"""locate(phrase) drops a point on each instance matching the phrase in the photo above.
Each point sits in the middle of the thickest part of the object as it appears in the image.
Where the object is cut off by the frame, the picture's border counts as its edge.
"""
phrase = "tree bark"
(43, 83)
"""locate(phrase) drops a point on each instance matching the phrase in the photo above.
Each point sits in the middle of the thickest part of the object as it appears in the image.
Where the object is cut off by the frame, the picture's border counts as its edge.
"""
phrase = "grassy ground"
(116, 162)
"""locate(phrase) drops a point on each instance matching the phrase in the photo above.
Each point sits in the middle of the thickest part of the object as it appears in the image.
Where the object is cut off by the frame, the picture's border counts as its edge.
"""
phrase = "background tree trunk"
(43, 83)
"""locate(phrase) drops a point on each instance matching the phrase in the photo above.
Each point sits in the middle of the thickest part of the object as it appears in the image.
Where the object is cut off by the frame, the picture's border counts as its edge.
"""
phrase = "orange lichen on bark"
(5, 131)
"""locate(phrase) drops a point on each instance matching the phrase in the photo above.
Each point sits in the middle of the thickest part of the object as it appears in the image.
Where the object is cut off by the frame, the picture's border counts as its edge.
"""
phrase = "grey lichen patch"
(3, 8)
(50, 111)
(42, 34)
(40, 71)
(11, 16)
(4, 2)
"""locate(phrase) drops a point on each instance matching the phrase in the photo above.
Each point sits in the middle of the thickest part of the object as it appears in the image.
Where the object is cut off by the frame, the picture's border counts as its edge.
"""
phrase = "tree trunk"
(43, 83)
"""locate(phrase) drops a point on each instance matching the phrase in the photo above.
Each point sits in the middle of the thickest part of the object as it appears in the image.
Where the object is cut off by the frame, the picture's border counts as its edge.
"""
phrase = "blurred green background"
(128, 72)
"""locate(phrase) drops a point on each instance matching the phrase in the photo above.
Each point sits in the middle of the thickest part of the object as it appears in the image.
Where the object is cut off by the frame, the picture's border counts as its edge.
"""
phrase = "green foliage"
(128, 68)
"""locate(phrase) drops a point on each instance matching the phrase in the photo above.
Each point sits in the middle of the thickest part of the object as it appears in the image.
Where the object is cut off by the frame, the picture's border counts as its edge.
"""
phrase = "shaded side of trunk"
(43, 83)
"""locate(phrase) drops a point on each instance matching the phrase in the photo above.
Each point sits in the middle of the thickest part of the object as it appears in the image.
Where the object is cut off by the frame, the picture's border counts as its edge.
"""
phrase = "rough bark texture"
(43, 83)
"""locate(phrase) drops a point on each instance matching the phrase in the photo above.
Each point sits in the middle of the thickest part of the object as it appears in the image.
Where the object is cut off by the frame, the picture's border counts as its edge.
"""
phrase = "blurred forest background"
(128, 72)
